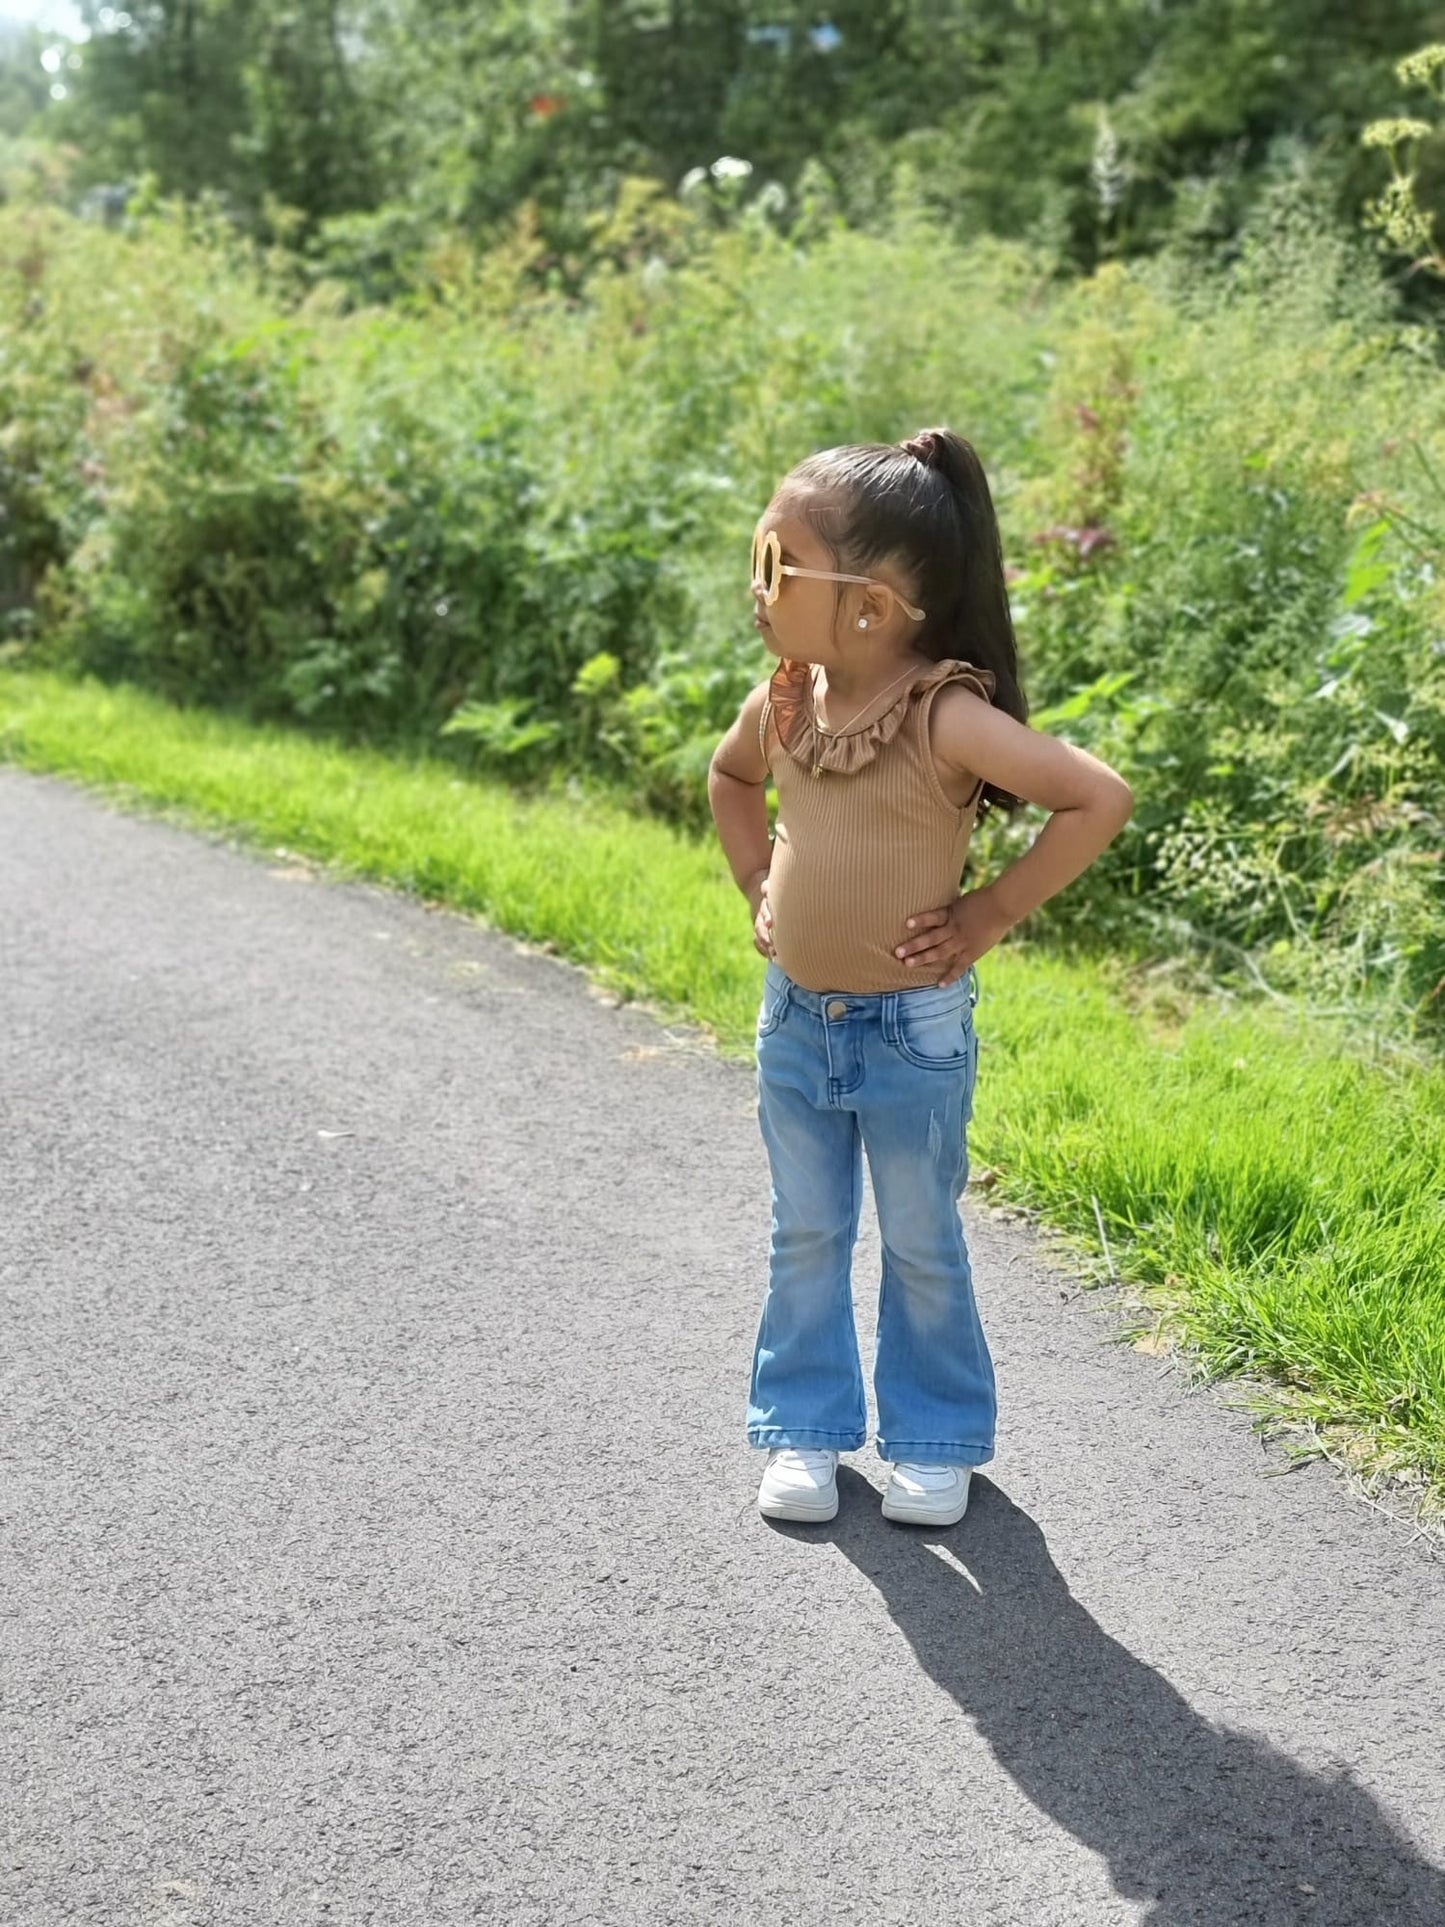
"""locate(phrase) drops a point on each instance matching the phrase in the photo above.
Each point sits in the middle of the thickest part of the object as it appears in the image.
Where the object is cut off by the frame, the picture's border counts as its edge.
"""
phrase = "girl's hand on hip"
(763, 924)
(942, 944)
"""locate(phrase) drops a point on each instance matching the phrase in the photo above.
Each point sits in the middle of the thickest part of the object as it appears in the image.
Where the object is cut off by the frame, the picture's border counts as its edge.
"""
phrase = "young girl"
(893, 718)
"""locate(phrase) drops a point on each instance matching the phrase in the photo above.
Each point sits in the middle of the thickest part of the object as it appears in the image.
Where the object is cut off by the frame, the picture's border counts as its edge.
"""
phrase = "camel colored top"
(866, 836)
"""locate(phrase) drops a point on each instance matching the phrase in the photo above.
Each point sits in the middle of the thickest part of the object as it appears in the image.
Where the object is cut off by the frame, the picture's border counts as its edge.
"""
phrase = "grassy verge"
(1266, 1195)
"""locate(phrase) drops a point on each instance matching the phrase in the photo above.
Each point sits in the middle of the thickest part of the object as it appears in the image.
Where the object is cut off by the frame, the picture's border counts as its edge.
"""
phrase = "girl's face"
(801, 623)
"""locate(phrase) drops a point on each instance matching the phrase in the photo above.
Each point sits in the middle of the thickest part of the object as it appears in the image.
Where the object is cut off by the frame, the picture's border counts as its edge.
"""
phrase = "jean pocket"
(775, 1002)
(936, 1037)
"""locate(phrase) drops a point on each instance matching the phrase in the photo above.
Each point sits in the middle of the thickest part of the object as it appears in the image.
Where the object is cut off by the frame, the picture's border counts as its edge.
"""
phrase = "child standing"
(893, 719)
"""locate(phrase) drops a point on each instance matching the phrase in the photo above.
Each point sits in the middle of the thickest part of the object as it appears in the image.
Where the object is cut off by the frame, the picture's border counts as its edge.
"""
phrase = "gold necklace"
(821, 731)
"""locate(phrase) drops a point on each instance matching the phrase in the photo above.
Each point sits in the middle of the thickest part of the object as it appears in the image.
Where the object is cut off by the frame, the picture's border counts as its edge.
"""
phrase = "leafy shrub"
(514, 522)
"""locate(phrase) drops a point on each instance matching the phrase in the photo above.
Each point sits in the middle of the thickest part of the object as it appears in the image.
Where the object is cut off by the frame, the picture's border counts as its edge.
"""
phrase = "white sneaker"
(927, 1495)
(801, 1482)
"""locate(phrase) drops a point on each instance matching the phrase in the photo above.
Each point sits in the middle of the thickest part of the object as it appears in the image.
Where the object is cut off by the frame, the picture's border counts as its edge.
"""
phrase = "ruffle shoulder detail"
(790, 694)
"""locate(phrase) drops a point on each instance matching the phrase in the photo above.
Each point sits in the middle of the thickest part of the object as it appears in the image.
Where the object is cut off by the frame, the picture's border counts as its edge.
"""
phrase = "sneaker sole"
(903, 1514)
(799, 1511)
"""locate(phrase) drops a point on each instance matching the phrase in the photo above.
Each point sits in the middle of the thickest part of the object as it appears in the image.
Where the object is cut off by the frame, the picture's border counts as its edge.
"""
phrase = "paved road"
(377, 1535)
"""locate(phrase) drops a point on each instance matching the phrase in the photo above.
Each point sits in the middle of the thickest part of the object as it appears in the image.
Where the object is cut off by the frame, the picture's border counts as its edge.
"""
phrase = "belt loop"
(973, 986)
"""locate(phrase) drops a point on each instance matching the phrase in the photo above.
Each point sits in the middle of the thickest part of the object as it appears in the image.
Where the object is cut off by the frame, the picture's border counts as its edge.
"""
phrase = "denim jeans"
(890, 1074)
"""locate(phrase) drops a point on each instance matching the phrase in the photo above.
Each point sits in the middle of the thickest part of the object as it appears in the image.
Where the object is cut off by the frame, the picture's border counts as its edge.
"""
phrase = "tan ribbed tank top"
(866, 841)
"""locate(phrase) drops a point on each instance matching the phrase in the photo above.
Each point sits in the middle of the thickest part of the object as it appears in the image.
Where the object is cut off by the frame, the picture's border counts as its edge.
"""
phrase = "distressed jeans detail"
(889, 1075)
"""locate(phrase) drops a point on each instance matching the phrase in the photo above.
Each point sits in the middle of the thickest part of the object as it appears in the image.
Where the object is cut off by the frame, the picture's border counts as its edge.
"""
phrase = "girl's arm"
(737, 790)
(1088, 805)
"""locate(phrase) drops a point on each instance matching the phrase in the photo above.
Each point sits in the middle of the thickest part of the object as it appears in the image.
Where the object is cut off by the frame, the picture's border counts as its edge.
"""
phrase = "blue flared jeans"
(891, 1075)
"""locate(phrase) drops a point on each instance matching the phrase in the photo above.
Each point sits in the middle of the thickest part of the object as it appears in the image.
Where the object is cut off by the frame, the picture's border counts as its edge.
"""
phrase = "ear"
(875, 606)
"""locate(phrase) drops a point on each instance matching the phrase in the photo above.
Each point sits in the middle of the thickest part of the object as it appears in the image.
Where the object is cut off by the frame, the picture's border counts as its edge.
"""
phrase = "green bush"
(1226, 600)
(514, 521)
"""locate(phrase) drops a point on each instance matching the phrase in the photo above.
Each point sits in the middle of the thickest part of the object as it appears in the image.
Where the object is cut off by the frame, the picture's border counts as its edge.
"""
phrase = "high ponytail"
(924, 505)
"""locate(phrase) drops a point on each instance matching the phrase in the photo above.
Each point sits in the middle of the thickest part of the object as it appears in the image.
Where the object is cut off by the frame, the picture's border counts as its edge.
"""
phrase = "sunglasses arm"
(768, 562)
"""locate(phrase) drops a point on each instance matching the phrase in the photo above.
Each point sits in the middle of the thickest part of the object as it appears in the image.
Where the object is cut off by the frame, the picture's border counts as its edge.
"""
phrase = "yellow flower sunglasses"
(769, 568)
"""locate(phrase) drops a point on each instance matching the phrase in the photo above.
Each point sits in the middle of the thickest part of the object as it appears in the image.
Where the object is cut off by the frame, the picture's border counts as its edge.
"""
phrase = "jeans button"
(837, 1008)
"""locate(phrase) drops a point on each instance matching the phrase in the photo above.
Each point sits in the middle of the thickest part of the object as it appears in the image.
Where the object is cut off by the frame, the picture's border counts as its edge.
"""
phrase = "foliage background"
(416, 374)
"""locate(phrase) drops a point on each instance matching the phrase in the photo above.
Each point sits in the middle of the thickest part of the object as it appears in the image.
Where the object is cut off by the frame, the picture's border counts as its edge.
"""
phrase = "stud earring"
(862, 622)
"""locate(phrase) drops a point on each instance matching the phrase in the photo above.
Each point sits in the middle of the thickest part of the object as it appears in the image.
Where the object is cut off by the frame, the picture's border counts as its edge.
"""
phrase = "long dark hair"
(924, 505)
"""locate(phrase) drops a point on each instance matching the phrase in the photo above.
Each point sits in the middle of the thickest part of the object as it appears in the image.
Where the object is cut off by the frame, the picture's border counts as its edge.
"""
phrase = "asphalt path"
(376, 1526)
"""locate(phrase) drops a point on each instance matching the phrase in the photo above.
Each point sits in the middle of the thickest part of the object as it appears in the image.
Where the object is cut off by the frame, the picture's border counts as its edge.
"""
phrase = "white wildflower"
(1389, 133)
(1423, 65)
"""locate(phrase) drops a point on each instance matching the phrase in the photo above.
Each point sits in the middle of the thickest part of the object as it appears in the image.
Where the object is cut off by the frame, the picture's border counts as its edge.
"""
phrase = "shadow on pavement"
(1204, 1826)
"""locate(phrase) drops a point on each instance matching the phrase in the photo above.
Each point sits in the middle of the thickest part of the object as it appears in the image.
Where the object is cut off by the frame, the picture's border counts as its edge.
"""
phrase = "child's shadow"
(1215, 1828)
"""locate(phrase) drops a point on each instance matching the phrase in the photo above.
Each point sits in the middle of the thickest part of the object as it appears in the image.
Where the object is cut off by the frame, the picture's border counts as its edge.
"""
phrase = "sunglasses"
(769, 568)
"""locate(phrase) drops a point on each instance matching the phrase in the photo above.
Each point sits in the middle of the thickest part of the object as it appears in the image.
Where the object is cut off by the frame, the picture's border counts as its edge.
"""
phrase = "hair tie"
(925, 448)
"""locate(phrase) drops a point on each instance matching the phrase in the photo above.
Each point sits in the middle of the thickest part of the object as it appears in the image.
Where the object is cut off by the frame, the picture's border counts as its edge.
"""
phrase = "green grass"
(1266, 1194)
